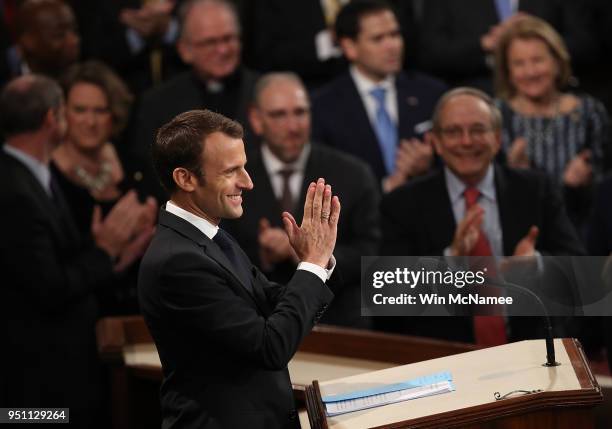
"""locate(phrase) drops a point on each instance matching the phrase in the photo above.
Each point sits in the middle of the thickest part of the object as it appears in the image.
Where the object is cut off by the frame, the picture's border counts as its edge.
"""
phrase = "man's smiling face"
(219, 193)
(467, 140)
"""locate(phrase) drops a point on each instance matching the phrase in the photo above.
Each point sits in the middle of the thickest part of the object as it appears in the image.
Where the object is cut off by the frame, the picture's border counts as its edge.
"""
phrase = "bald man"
(209, 42)
(470, 202)
(283, 167)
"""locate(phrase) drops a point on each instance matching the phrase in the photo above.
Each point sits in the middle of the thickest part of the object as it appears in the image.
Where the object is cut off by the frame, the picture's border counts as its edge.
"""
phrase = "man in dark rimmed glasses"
(209, 42)
(473, 206)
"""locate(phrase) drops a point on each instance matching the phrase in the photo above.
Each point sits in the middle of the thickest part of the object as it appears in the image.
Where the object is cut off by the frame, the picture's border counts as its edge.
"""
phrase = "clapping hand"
(579, 171)
(467, 232)
(314, 240)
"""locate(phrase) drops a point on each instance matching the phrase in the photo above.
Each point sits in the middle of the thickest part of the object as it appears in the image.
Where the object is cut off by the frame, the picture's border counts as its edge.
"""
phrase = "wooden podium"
(328, 352)
(568, 392)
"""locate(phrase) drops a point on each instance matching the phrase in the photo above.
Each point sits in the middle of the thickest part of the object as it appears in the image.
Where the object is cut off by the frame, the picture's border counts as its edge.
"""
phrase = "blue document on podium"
(349, 402)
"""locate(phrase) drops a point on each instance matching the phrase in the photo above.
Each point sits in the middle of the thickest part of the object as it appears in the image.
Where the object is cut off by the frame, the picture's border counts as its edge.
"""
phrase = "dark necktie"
(488, 330)
(235, 257)
(286, 200)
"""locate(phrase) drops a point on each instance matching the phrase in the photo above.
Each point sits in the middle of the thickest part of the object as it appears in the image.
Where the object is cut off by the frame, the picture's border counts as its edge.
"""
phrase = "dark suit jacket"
(280, 35)
(599, 236)
(182, 93)
(418, 220)
(47, 303)
(224, 351)
(451, 31)
(103, 37)
(340, 120)
(599, 242)
(358, 228)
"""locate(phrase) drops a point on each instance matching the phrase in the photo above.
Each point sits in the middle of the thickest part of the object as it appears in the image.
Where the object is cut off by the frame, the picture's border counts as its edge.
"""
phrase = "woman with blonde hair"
(544, 126)
(90, 173)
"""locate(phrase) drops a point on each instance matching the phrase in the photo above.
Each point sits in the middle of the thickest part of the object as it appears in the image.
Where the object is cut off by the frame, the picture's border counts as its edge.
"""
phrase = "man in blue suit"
(374, 111)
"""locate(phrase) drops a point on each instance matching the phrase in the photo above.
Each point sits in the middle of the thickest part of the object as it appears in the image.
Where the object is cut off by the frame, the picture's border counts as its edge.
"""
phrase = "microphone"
(431, 264)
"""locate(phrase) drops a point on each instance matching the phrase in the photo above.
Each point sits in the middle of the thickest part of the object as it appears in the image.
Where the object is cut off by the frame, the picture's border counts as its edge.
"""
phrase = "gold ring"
(325, 215)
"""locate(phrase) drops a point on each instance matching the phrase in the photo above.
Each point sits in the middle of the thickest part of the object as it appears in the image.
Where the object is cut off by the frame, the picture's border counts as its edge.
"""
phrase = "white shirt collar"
(38, 169)
(365, 85)
(273, 165)
(456, 187)
(202, 224)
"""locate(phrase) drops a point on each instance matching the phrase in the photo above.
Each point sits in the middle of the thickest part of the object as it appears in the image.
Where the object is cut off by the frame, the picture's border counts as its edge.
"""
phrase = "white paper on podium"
(348, 406)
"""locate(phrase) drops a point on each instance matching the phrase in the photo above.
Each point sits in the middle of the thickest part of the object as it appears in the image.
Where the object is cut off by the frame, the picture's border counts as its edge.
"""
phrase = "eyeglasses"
(281, 114)
(475, 132)
(212, 42)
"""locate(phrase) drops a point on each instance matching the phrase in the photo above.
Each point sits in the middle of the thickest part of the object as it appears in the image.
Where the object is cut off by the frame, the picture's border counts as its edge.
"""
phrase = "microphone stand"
(429, 263)
(550, 345)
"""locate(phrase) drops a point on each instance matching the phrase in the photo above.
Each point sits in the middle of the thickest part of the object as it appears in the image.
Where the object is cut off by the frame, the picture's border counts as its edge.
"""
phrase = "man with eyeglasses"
(209, 42)
(473, 207)
(282, 167)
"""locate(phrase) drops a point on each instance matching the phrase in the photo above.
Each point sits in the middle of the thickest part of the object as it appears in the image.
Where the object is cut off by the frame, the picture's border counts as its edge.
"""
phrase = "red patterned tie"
(488, 330)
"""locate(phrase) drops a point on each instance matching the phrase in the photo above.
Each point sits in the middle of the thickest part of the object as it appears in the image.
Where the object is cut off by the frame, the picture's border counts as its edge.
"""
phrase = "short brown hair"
(530, 28)
(116, 91)
(180, 143)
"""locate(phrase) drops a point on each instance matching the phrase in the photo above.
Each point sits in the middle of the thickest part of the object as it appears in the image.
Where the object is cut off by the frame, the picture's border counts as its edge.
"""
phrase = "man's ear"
(349, 48)
(435, 141)
(498, 141)
(255, 119)
(185, 51)
(51, 121)
(184, 179)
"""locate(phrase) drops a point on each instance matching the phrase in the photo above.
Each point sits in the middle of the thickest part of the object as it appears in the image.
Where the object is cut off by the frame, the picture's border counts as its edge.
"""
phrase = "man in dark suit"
(51, 274)
(224, 333)
(512, 212)
(46, 39)
(283, 167)
(209, 41)
(374, 111)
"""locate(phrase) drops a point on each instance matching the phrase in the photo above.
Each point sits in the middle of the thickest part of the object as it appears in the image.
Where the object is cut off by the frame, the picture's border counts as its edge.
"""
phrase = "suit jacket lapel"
(440, 215)
(263, 194)
(211, 249)
(357, 118)
(403, 112)
(65, 229)
(508, 200)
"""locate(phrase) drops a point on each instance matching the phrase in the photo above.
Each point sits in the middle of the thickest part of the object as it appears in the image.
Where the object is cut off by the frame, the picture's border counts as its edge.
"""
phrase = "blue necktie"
(504, 9)
(240, 265)
(386, 130)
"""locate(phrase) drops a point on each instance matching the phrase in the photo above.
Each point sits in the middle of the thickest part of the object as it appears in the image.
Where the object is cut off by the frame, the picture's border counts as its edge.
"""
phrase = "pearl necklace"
(96, 183)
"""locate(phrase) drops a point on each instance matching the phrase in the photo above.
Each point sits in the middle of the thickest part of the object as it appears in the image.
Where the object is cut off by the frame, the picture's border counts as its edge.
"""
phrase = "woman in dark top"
(545, 128)
(89, 171)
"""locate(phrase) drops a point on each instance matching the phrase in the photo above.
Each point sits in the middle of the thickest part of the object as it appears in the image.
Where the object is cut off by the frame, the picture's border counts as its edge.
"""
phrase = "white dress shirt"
(38, 169)
(487, 200)
(274, 166)
(365, 86)
(210, 230)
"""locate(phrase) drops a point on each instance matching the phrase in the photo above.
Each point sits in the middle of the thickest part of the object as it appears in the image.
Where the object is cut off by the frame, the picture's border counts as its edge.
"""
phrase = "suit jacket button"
(293, 415)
